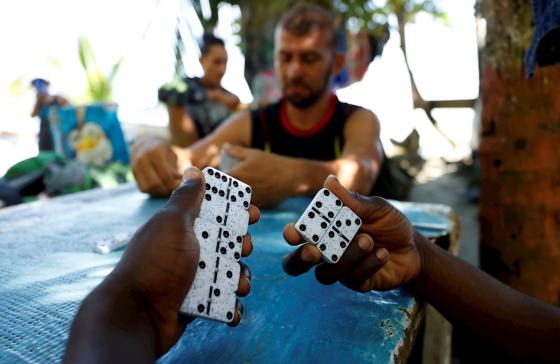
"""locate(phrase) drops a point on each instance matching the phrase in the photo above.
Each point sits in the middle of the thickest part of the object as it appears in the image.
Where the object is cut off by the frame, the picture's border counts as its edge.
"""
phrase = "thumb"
(237, 152)
(366, 207)
(187, 198)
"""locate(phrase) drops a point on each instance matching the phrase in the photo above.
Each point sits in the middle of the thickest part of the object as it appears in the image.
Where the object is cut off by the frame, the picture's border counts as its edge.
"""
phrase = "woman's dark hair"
(209, 40)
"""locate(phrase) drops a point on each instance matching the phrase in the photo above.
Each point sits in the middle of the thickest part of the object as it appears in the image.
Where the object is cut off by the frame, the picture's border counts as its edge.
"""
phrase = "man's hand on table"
(382, 257)
(138, 303)
(270, 175)
(156, 166)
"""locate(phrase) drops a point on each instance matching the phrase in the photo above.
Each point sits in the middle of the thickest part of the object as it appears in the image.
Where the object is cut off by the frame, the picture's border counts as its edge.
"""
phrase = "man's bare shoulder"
(363, 119)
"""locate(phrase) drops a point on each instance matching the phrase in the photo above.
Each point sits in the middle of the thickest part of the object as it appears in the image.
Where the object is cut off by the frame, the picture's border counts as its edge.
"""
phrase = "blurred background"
(41, 39)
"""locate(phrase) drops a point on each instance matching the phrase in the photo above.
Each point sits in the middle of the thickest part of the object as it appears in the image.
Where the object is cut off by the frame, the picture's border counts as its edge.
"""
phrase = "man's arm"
(275, 177)
(157, 165)
(206, 152)
(389, 254)
(523, 325)
(359, 163)
(182, 128)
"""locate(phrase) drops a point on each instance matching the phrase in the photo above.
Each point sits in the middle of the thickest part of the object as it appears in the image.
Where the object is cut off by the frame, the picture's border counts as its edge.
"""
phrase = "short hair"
(209, 40)
(305, 18)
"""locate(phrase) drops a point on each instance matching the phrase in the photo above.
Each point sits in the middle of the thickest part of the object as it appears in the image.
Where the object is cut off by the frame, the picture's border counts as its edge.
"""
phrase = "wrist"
(113, 323)
(119, 303)
(425, 253)
(309, 176)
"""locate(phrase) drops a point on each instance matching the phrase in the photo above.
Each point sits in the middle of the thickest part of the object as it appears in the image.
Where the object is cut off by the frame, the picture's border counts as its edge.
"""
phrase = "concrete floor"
(439, 182)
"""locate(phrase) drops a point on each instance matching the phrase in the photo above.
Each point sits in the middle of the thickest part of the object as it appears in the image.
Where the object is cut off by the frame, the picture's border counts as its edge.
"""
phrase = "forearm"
(304, 176)
(309, 175)
(466, 295)
(112, 326)
(181, 127)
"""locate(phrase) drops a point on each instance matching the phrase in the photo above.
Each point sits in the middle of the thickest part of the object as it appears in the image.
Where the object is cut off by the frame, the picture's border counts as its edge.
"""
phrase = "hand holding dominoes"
(160, 264)
(383, 256)
(219, 228)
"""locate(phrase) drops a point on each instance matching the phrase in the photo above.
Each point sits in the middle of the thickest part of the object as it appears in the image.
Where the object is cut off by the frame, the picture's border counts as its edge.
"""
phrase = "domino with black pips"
(222, 222)
(328, 224)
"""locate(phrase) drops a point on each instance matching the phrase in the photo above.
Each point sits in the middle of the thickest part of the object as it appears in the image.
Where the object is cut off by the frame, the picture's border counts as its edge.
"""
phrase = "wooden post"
(519, 157)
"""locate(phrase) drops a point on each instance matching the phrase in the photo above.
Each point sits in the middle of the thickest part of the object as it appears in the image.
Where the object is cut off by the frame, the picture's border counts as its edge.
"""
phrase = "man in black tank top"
(288, 148)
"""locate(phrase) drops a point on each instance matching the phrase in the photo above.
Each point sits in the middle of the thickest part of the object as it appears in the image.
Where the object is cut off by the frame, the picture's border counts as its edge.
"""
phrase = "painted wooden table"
(47, 267)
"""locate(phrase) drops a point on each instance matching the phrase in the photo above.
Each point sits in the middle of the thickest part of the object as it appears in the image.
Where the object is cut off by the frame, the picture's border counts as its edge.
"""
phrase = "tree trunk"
(519, 157)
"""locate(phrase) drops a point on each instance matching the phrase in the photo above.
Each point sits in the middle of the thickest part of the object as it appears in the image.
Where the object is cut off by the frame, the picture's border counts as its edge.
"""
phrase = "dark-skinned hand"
(381, 257)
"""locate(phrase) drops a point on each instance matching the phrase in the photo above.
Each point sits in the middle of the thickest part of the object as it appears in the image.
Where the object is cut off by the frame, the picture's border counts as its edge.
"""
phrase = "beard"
(305, 101)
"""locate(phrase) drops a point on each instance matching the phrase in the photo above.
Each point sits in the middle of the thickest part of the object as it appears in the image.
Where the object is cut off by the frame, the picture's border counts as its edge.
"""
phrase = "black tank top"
(272, 131)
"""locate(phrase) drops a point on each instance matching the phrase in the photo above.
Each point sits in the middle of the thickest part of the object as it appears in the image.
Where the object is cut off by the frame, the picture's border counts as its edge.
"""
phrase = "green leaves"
(99, 86)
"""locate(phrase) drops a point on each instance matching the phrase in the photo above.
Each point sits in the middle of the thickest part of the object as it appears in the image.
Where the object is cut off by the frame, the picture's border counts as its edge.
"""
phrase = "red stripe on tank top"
(292, 129)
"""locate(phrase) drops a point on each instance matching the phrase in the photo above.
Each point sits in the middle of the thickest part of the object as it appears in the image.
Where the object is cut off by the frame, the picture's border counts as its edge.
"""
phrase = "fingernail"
(382, 254)
(365, 244)
(307, 256)
(190, 172)
(332, 176)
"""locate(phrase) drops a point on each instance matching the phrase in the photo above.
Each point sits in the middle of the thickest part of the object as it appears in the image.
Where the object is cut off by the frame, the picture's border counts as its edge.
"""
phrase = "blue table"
(47, 267)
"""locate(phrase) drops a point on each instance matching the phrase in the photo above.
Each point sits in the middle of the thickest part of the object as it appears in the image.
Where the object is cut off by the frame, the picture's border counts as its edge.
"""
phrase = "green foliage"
(258, 18)
(19, 86)
(99, 86)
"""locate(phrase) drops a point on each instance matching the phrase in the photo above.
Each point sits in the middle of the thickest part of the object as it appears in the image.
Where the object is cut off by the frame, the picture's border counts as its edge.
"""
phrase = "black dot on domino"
(229, 315)
(302, 227)
(202, 265)
(207, 197)
(224, 178)
(205, 234)
(226, 234)
(219, 219)
(218, 175)
(210, 172)
(324, 225)
(326, 192)
(236, 255)
(240, 193)
(223, 250)
(222, 193)
(229, 274)
(235, 184)
(318, 204)
(239, 239)
(315, 238)
(338, 223)
(246, 204)
(331, 214)
(338, 202)
(231, 245)
(331, 234)
(233, 199)
(322, 247)
(248, 189)
(348, 222)
(200, 308)
(214, 190)
(358, 221)
(208, 186)
(334, 258)
(216, 292)
(343, 244)
(311, 214)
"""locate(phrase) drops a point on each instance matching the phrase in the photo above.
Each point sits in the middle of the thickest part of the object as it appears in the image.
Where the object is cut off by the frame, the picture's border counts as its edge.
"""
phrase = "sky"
(33, 33)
